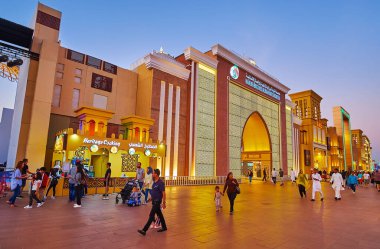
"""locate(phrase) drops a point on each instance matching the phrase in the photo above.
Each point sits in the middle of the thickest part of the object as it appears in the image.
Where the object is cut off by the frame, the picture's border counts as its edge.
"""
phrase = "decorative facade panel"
(242, 104)
(205, 124)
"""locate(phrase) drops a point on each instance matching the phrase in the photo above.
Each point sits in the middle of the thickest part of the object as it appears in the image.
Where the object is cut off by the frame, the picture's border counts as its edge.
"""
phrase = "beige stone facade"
(206, 119)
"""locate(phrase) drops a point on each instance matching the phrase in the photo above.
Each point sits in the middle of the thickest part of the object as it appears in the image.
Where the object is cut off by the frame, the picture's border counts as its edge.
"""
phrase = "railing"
(115, 182)
(194, 180)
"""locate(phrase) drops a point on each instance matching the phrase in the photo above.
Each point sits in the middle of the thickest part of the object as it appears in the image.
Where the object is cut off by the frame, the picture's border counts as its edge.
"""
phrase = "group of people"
(279, 174)
(39, 181)
(338, 182)
(150, 184)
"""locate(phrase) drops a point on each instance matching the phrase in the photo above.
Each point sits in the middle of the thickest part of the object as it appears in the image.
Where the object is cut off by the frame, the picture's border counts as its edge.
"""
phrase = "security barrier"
(195, 180)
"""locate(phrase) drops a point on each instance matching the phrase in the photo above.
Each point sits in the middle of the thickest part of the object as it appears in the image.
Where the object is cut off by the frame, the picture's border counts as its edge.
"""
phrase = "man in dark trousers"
(24, 171)
(158, 196)
(107, 180)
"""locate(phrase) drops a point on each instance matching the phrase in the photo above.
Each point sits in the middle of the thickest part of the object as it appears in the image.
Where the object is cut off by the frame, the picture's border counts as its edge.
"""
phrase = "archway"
(256, 146)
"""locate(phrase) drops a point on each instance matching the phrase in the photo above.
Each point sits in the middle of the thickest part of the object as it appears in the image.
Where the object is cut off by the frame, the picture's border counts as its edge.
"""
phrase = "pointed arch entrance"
(256, 146)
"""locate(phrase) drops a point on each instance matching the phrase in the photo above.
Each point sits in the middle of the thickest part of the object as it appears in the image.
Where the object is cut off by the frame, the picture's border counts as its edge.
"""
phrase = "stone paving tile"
(266, 216)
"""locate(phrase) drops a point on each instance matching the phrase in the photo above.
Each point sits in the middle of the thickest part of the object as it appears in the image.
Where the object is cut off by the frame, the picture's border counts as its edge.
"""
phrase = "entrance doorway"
(99, 162)
(256, 148)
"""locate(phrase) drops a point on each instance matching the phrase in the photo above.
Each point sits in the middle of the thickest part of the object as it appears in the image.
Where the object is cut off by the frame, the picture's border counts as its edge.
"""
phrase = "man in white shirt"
(366, 177)
(292, 176)
(274, 175)
(316, 177)
(140, 175)
(337, 184)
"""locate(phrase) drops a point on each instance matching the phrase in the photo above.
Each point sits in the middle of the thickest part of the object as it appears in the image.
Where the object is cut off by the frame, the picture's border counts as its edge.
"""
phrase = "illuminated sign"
(60, 142)
(100, 142)
(148, 152)
(94, 148)
(114, 149)
(142, 145)
(234, 72)
(131, 151)
(262, 87)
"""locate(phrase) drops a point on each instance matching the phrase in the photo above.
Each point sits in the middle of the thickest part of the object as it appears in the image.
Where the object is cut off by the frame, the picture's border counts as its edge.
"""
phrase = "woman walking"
(54, 176)
(16, 183)
(264, 175)
(148, 182)
(231, 187)
(302, 183)
(377, 179)
(352, 182)
(250, 176)
(79, 182)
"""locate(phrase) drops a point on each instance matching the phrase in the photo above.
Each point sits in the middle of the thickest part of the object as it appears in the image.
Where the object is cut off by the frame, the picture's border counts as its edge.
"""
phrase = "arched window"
(137, 133)
(100, 128)
(91, 127)
(144, 135)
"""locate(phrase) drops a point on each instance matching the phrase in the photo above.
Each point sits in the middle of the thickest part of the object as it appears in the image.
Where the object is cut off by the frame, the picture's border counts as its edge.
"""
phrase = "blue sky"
(332, 47)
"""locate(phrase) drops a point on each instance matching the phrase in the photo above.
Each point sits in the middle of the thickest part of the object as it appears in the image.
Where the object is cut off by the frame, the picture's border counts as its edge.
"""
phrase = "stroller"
(4, 183)
(125, 194)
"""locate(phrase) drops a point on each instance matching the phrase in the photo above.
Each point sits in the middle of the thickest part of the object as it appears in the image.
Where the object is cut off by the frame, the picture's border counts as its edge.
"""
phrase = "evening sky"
(332, 47)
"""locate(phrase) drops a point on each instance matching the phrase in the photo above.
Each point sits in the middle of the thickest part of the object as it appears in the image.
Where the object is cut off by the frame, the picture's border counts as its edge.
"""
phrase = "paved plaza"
(266, 216)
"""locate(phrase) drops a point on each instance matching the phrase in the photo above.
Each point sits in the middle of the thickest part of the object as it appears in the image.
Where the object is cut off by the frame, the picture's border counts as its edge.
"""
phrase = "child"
(134, 199)
(217, 198)
(35, 188)
(135, 194)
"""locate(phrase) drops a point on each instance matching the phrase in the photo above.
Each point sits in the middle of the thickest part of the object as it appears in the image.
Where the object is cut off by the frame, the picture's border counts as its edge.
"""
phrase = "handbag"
(237, 190)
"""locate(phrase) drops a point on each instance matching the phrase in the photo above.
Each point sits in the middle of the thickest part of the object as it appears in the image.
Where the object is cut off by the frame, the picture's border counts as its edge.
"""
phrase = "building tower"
(343, 129)
(313, 130)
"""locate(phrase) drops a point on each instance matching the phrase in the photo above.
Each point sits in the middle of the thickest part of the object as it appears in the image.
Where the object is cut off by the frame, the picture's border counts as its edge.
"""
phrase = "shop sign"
(60, 142)
(100, 142)
(262, 87)
(234, 72)
(143, 145)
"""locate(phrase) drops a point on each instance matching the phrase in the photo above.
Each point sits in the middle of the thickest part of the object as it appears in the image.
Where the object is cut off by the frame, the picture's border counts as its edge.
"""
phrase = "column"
(176, 130)
(169, 130)
(161, 121)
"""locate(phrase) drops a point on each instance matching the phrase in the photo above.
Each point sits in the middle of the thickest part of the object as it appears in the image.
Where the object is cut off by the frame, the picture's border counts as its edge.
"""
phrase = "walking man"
(107, 180)
(281, 173)
(316, 185)
(265, 175)
(250, 175)
(72, 173)
(140, 175)
(158, 197)
(24, 171)
(274, 175)
(292, 176)
(337, 184)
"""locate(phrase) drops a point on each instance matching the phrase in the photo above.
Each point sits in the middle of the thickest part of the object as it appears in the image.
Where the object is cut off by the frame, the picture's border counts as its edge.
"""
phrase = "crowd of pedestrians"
(150, 184)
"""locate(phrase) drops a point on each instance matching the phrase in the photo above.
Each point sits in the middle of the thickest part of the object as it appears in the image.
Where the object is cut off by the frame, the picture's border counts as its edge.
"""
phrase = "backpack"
(84, 179)
(45, 179)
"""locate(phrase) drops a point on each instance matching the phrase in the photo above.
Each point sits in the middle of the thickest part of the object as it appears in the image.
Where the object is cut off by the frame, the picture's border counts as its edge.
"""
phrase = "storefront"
(94, 149)
(95, 152)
